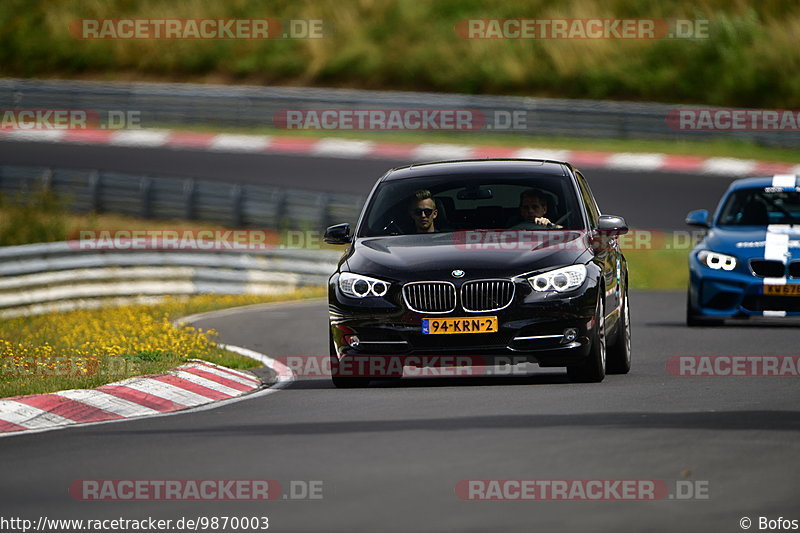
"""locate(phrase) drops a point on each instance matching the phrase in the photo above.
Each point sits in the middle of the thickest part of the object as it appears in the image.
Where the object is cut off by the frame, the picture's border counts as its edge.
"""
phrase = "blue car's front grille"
(794, 269)
(767, 268)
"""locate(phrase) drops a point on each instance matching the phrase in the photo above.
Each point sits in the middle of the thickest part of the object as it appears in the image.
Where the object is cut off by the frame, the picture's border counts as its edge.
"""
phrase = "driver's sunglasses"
(427, 212)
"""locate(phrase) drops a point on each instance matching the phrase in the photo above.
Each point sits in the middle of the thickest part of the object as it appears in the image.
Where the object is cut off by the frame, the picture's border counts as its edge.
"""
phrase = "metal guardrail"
(149, 196)
(57, 276)
(173, 104)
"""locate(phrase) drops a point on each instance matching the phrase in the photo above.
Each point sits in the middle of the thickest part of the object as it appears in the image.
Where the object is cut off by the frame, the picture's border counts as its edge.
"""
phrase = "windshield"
(760, 207)
(470, 202)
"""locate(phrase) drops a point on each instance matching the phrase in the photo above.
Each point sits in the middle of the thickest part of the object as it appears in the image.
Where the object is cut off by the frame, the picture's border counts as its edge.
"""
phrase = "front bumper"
(736, 294)
(530, 330)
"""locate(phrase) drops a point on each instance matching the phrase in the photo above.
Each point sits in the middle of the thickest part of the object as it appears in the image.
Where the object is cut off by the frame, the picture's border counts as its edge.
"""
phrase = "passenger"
(532, 209)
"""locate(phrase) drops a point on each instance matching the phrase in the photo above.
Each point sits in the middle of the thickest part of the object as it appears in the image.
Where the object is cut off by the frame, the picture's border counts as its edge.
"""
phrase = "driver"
(532, 209)
(423, 211)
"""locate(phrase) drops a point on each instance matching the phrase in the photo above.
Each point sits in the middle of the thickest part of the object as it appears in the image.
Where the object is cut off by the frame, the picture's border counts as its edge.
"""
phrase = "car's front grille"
(794, 269)
(430, 296)
(767, 268)
(486, 295)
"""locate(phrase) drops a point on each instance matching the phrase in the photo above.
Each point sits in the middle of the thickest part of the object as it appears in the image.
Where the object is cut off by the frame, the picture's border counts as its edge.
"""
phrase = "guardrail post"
(325, 206)
(281, 209)
(189, 198)
(94, 185)
(47, 179)
(145, 193)
(237, 201)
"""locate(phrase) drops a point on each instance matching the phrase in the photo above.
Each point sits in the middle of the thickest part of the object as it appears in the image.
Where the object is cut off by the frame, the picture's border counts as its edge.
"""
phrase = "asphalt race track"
(389, 456)
(655, 200)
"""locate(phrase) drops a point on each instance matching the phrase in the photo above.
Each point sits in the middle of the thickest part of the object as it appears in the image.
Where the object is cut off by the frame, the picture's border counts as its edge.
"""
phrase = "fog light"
(570, 334)
(351, 340)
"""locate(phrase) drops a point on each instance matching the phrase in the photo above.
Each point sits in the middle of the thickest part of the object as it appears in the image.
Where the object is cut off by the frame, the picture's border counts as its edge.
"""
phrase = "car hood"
(750, 241)
(478, 254)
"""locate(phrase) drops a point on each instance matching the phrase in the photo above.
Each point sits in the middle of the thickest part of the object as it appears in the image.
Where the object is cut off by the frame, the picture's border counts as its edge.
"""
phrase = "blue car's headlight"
(716, 261)
(560, 280)
(358, 286)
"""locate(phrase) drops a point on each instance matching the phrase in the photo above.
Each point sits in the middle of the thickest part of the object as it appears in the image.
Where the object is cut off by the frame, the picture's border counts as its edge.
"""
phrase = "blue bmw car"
(748, 262)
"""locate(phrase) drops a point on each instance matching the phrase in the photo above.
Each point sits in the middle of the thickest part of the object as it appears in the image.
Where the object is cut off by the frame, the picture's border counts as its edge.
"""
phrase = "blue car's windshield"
(470, 202)
(760, 207)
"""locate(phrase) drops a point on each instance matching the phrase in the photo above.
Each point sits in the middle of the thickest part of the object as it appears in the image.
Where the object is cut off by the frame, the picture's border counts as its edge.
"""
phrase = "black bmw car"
(501, 260)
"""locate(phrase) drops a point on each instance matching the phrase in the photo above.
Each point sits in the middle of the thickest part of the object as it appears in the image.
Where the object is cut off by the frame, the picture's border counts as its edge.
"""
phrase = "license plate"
(782, 290)
(449, 326)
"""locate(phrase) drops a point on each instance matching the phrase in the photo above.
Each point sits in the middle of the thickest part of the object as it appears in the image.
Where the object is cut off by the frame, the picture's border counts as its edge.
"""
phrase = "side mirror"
(698, 218)
(338, 234)
(612, 225)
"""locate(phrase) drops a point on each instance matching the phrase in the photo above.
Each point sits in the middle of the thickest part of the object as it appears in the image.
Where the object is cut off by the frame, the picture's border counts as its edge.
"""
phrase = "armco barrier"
(173, 104)
(147, 196)
(57, 276)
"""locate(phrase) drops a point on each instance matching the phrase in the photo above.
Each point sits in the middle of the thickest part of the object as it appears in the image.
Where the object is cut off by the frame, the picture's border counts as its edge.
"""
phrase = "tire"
(341, 382)
(618, 355)
(593, 370)
(693, 319)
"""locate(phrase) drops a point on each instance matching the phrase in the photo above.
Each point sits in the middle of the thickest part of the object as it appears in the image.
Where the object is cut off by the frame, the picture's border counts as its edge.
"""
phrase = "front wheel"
(619, 353)
(593, 370)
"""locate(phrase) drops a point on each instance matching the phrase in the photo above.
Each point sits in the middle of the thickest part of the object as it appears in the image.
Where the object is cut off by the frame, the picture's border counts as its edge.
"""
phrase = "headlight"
(359, 286)
(561, 280)
(716, 260)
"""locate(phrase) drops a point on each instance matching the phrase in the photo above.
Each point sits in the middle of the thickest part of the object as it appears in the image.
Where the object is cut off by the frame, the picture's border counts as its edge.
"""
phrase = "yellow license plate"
(449, 326)
(782, 290)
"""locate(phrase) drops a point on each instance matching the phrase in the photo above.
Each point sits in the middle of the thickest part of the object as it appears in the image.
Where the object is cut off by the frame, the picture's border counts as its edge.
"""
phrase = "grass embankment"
(86, 349)
(749, 59)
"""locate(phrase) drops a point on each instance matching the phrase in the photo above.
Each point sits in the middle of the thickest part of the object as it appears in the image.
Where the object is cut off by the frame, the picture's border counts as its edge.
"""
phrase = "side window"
(588, 198)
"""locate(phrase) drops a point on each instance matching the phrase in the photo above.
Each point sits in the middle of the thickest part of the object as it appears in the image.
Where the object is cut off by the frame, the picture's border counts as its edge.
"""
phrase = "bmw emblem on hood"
(458, 273)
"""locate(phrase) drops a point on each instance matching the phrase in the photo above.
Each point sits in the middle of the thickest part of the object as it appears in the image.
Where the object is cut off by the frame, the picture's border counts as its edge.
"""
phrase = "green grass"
(89, 348)
(751, 58)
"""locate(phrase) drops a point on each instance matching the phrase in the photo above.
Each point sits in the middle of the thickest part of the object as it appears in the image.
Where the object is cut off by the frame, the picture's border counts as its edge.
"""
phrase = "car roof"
(479, 166)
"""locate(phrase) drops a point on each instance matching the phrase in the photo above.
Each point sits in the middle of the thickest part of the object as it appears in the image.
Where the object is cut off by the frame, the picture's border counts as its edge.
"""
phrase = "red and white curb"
(344, 148)
(197, 385)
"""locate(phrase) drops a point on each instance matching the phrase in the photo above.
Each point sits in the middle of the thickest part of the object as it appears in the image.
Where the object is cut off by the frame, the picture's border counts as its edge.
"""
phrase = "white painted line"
(165, 391)
(139, 138)
(205, 382)
(230, 374)
(431, 152)
(728, 166)
(107, 402)
(543, 153)
(342, 148)
(30, 417)
(632, 161)
(35, 135)
(228, 142)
